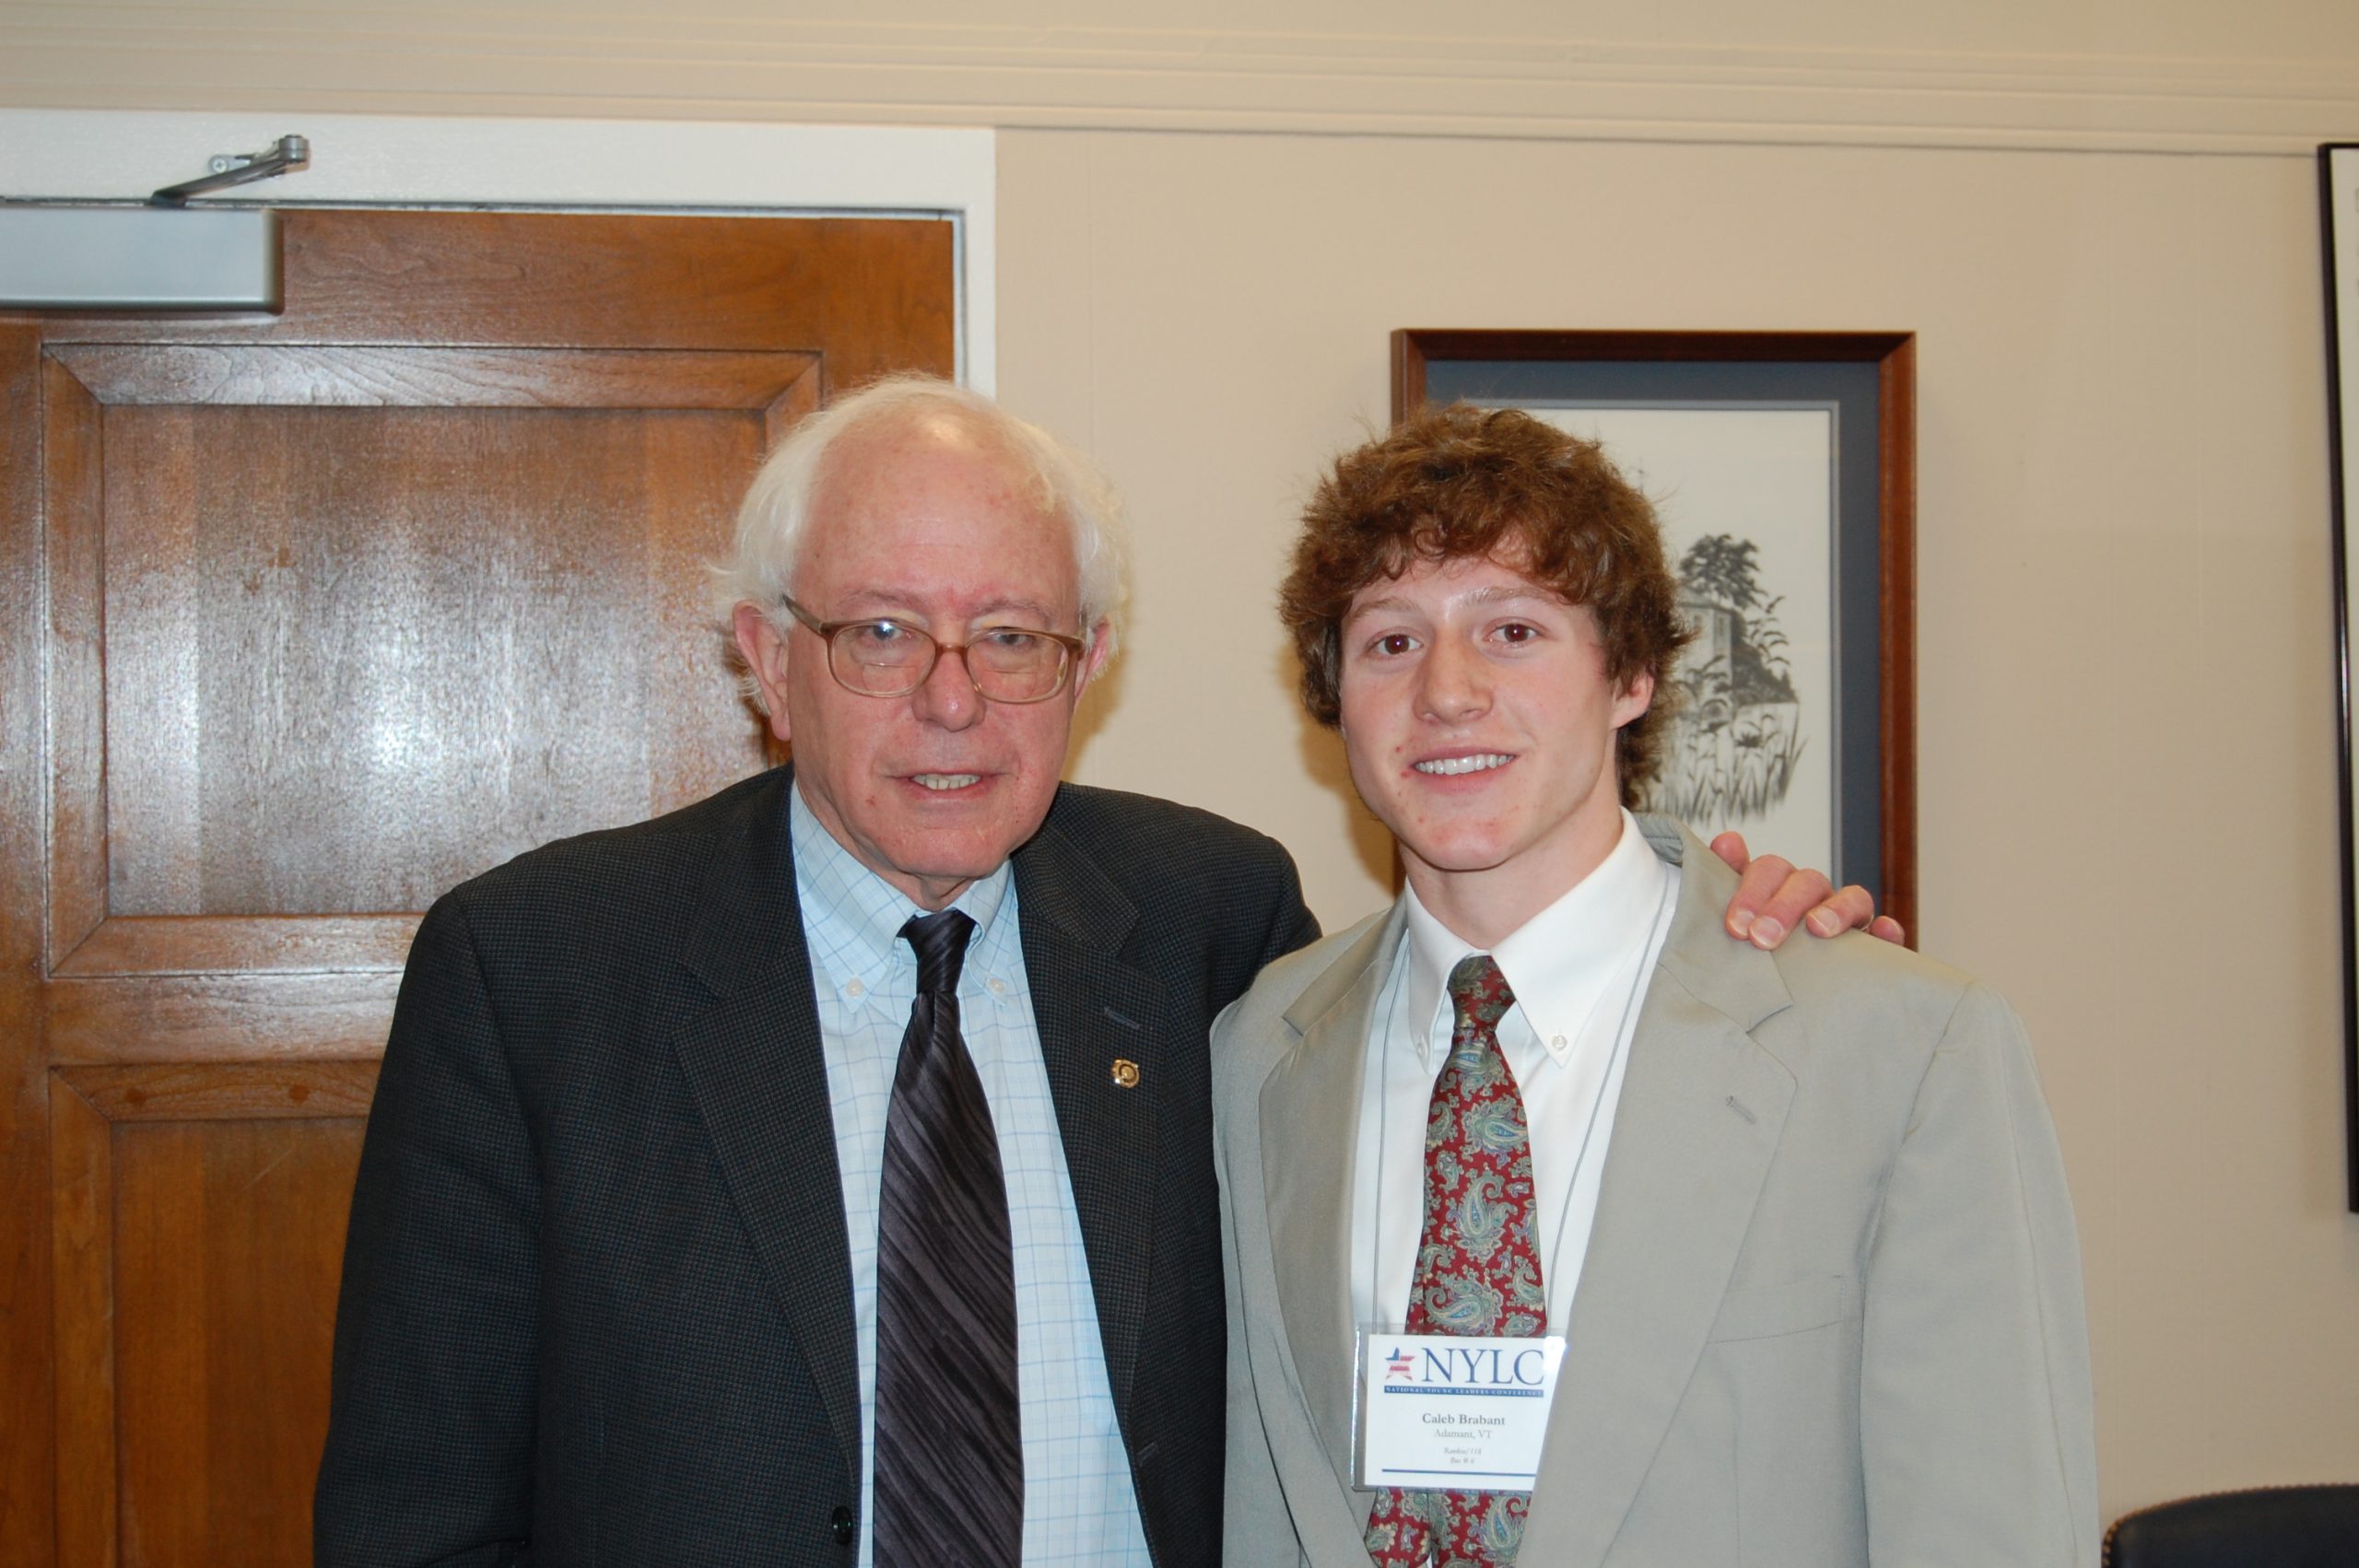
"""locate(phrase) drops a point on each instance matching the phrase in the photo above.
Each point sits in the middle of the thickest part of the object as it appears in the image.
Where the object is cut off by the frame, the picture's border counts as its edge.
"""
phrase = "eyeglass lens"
(888, 659)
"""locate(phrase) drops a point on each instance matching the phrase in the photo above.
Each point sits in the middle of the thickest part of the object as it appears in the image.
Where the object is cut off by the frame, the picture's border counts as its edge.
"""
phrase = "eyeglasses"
(891, 658)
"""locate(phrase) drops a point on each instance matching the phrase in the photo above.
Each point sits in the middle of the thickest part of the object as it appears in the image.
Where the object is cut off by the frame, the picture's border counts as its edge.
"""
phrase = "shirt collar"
(1557, 962)
(864, 912)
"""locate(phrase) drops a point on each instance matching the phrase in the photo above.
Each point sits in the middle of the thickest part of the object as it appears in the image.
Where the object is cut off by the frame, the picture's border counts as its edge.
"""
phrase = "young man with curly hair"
(1795, 1221)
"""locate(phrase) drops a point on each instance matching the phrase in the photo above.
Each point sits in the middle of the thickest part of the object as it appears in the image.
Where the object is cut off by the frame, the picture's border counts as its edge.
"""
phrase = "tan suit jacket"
(1830, 1309)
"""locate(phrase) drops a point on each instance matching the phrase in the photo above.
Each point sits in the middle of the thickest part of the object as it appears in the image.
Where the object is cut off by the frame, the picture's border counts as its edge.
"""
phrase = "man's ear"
(1092, 658)
(1634, 698)
(763, 647)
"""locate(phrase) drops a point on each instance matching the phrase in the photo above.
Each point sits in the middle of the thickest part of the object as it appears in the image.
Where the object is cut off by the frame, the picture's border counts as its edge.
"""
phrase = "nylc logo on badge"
(1510, 1367)
(1471, 1411)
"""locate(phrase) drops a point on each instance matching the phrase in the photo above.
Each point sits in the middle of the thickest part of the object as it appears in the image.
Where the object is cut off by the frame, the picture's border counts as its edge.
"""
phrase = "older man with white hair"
(822, 1173)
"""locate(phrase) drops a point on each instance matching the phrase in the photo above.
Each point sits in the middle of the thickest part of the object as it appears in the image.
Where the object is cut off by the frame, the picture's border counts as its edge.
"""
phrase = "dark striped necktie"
(949, 1441)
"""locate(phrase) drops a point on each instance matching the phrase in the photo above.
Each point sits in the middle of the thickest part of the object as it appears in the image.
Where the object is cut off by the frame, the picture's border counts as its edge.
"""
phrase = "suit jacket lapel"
(1310, 1105)
(1092, 1009)
(753, 1060)
(1701, 1109)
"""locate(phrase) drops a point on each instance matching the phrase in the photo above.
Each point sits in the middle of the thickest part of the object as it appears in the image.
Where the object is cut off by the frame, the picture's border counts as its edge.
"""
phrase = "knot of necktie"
(1478, 993)
(939, 943)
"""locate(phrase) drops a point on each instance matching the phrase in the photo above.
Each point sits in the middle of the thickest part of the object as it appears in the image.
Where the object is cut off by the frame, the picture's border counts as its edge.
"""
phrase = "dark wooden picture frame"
(2339, 230)
(1868, 381)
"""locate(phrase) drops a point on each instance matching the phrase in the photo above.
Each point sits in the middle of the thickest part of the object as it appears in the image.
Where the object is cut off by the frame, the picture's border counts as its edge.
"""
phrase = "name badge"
(1452, 1410)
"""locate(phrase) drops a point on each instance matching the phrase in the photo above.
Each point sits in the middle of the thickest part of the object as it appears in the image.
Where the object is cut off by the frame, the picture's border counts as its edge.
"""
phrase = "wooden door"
(302, 619)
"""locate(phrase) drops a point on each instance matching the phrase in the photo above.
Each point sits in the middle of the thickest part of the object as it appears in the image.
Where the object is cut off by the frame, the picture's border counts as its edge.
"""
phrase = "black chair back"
(2281, 1527)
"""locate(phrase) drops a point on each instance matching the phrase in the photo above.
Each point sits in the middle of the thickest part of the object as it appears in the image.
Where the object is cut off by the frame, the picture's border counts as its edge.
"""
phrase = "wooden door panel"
(193, 1260)
(353, 657)
(321, 612)
(348, 654)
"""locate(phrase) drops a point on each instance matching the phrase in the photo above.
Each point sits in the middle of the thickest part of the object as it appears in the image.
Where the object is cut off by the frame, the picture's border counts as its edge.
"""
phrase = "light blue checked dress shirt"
(1079, 1503)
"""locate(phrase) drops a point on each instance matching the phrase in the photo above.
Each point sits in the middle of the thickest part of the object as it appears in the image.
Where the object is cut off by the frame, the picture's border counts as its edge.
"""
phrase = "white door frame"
(387, 161)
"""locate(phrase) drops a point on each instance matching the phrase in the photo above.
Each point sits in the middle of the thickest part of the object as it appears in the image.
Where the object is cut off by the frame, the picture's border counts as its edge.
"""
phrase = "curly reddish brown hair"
(1462, 482)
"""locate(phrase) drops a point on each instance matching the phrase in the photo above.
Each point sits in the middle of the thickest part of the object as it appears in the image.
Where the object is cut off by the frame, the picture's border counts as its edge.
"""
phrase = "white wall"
(2100, 217)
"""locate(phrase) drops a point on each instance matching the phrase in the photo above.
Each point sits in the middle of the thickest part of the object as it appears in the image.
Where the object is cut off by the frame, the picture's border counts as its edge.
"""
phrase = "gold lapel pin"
(1126, 1073)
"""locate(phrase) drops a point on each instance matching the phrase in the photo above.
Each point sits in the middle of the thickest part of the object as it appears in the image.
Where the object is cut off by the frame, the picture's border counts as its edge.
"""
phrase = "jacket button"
(839, 1525)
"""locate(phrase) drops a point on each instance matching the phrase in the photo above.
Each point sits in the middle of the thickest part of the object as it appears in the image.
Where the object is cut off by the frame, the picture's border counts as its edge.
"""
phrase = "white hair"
(775, 517)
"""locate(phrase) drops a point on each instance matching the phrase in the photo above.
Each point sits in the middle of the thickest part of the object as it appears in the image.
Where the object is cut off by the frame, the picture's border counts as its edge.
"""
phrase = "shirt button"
(855, 989)
(1557, 1043)
(839, 1525)
(997, 985)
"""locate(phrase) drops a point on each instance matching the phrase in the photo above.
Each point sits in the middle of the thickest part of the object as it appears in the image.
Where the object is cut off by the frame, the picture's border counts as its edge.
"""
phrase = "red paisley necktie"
(1477, 1270)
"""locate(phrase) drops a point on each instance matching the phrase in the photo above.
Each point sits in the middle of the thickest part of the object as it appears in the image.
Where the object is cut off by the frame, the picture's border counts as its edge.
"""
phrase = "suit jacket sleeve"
(1976, 1422)
(429, 1446)
(1256, 1527)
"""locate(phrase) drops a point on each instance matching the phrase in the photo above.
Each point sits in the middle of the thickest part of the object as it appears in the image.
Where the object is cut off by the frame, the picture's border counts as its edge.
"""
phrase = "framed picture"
(1783, 466)
(2339, 215)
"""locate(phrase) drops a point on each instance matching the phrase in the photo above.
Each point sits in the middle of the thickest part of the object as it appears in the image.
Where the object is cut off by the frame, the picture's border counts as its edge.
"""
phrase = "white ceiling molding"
(539, 60)
(708, 166)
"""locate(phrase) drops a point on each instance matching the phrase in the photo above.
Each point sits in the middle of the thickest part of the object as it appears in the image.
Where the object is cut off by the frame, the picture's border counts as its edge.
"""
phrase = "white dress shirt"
(1079, 1505)
(1578, 970)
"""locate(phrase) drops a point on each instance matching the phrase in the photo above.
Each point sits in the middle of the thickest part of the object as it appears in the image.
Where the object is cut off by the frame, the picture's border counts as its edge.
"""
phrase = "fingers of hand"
(1800, 893)
(1758, 890)
(1850, 909)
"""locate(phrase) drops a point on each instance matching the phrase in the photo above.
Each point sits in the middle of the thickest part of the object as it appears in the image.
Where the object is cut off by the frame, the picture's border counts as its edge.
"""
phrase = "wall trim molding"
(540, 60)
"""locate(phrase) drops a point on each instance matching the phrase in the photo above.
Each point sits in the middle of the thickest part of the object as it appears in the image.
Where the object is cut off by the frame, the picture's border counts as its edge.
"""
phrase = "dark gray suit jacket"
(597, 1296)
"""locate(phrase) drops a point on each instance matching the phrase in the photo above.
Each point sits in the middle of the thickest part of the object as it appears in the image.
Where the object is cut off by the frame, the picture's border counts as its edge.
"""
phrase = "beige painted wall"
(2103, 227)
